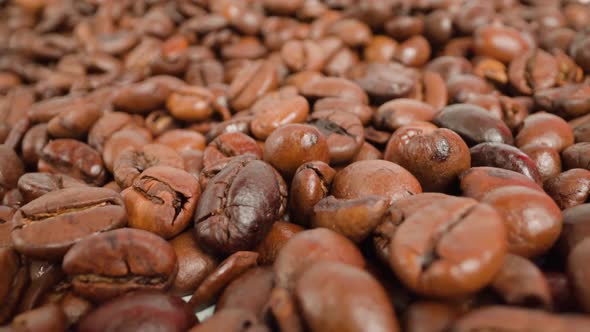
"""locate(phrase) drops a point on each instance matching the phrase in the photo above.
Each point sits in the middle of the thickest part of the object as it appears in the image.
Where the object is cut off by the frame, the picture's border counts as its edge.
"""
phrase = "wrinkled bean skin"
(73, 158)
(162, 200)
(145, 311)
(506, 157)
(310, 184)
(77, 211)
(131, 163)
(532, 219)
(110, 264)
(229, 145)
(319, 291)
(440, 231)
(239, 205)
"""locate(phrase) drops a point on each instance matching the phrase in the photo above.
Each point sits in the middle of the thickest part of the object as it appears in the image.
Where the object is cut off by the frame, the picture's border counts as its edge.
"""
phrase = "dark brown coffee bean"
(429, 316)
(400, 112)
(73, 158)
(35, 185)
(274, 241)
(319, 292)
(194, 265)
(478, 181)
(13, 281)
(321, 246)
(474, 124)
(140, 310)
(438, 26)
(239, 205)
(520, 282)
(310, 184)
(577, 156)
(569, 188)
(575, 228)
(250, 291)
(146, 96)
(436, 159)
(162, 200)
(545, 129)
(384, 81)
(11, 168)
(343, 131)
(533, 220)
(427, 255)
(578, 272)
(227, 271)
(404, 27)
(6, 214)
(33, 143)
(504, 156)
(110, 264)
(293, 145)
(228, 145)
(78, 212)
(579, 50)
(130, 163)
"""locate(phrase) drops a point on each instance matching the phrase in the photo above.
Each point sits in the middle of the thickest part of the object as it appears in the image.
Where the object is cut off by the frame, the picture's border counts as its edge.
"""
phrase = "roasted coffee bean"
(380, 49)
(6, 214)
(250, 291)
(333, 104)
(140, 310)
(429, 316)
(436, 159)
(569, 188)
(533, 220)
(73, 158)
(130, 163)
(293, 145)
(251, 82)
(320, 246)
(568, 101)
(147, 95)
(374, 177)
(547, 160)
(108, 125)
(474, 124)
(343, 131)
(13, 281)
(578, 272)
(499, 42)
(545, 129)
(239, 205)
(333, 87)
(506, 157)
(310, 184)
(414, 52)
(384, 81)
(132, 138)
(194, 265)
(47, 318)
(478, 181)
(33, 143)
(11, 168)
(426, 251)
(230, 320)
(520, 282)
(319, 292)
(575, 223)
(181, 140)
(275, 240)
(577, 156)
(278, 113)
(112, 263)
(400, 112)
(77, 212)
(227, 271)
(35, 185)
(162, 200)
(229, 145)
(532, 71)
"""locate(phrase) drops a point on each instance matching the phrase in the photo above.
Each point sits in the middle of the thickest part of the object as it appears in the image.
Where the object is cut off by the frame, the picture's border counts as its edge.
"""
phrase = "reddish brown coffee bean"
(449, 66)
(73, 158)
(194, 265)
(474, 124)
(229, 145)
(545, 129)
(108, 125)
(326, 308)
(230, 320)
(227, 271)
(293, 145)
(569, 188)
(278, 113)
(429, 316)
(303, 55)
(383, 81)
(532, 219)
(11, 168)
(414, 52)
(239, 205)
(77, 212)
(190, 103)
(333, 87)
(547, 160)
(250, 291)
(75, 120)
(579, 50)
(374, 177)
(310, 184)
(499, 42)
(181, 140)
(274, 241)
(427, 251)
(492, 70)
(6, 213)
(478, 181)
(461, 87)
(575, 228)
(532, 71)
(568, 101)
(252, 82)
(133, 138)
(577, 156)
(380, 49)
(320, 246)
(578, 272)
(131, 163)
(12, 282)
(520, 282)
(504, 156)
(368, 152)
(110, 264)
(400, 112)
(436, 159)
(352, 32)
(343, 132)
(140, 310)
(404, 27)
(284, 310)
(35, 185)
(332, 104)
(147, 95)
(46, 318)
(162, 200)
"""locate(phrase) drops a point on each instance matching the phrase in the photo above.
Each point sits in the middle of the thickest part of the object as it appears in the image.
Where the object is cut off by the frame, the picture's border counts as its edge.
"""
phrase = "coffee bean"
(12, 282)
(194, 265)
(130, 163)
(569, 188)
(73, 158)
(506, 157)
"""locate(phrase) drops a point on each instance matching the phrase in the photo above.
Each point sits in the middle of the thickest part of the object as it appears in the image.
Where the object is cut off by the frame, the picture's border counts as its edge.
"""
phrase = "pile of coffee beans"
(302, 165)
